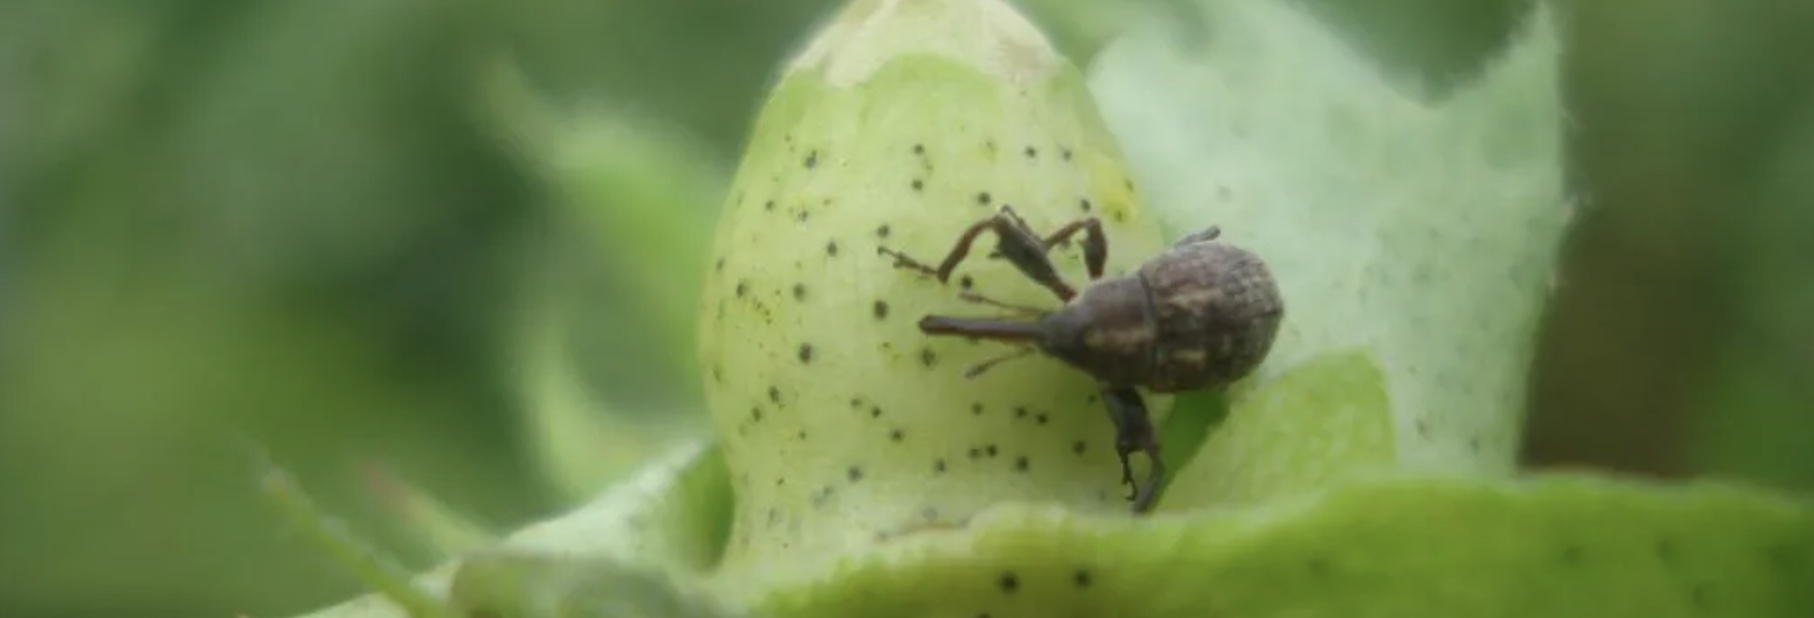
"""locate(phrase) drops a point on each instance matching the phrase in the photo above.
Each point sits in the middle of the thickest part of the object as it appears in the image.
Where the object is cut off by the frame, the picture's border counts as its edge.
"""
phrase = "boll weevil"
(1200, 315)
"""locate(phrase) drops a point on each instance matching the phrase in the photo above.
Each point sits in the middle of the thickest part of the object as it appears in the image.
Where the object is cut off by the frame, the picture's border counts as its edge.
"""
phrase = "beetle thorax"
(1107, 331)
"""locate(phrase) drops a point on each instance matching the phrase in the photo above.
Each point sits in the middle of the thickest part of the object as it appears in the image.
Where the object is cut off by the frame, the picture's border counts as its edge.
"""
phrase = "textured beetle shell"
(1217, 311)
(1113, 331)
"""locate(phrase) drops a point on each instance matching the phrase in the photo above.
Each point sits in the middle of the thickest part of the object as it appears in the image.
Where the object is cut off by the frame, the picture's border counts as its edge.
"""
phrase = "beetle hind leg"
(1204, 235)
(1134, 433)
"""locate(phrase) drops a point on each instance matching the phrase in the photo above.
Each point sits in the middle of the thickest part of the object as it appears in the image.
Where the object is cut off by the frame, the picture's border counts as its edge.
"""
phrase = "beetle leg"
(1207, 234)
(1027, 251)
(1018, 244)
(1134, 432)
(1095, 244)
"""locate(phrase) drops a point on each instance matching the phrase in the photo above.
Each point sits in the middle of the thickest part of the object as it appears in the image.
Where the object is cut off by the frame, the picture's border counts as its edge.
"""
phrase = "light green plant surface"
(1366, 469)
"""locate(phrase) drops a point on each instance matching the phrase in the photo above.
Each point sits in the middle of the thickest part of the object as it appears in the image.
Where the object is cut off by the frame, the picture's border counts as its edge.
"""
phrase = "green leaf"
(442, 529)
(668, 516)
(1554, 546)
(1416, 237)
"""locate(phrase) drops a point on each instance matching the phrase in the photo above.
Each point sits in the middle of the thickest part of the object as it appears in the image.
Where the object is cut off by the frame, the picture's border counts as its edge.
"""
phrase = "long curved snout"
(982, 328)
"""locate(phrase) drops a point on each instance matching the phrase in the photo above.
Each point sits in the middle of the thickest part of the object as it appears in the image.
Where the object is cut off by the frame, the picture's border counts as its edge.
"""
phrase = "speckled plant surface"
(1365, 470)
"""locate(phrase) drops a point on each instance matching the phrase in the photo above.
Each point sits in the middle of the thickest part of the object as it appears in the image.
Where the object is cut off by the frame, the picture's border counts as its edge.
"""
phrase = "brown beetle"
(1201, 315)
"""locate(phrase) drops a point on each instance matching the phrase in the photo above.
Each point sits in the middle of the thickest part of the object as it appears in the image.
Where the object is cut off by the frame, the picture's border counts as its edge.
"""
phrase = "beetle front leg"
(1016, 243)
(1134, 432)
(1095, 244)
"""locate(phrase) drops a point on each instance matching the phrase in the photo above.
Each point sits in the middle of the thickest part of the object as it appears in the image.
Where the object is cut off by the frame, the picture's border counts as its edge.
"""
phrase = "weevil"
(1200, 315)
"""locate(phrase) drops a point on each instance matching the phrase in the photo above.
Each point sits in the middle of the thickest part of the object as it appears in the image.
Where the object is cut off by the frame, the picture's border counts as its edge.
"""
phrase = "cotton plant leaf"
(584, 442)
(631, 197)
(437, 526)
(640, 193)
(668, 517)
(1413, 240)
(1395, 545)
(856, 473)
(373, 566)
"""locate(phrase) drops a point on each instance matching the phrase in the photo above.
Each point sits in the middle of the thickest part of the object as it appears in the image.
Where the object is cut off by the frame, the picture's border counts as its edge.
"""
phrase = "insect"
(1200, 315)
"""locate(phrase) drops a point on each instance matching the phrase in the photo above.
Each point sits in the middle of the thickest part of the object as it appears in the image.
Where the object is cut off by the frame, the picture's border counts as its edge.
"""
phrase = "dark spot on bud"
(927, 357)
(875, 412)
(774, 394)
(1129, 183)
(812, 159)
(1009, 583)
(975, 452)
(831, 248)
(990, 450)
(966, 282)
(719, 266)
(896, 435)
(801, 216)
(983, 198)
(938, 466)
(1474, 444)
(1066, 154)
(918, 184)
(1020, 413)
(799, 291)
(1085, 203)
(854, 474)
(768, 205)
(801, 435)
(743, 287)
(1032, 152)
(919, 149)
(1082, 578)
(882, 232)
(976, 409)
(756, 415)
(806, 352)
(1020, 463)
(1078, 447)
(1040, 418)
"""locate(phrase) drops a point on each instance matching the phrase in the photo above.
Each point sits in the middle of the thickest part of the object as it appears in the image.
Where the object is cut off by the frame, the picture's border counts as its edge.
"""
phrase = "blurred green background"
(345, 229)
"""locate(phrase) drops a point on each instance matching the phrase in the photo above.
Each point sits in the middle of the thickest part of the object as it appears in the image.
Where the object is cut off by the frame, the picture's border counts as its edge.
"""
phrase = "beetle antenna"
(979, 368)
(973, 297)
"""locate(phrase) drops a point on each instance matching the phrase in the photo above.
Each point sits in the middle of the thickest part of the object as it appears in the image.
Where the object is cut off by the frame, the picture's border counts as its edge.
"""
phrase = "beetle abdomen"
(1216, 310)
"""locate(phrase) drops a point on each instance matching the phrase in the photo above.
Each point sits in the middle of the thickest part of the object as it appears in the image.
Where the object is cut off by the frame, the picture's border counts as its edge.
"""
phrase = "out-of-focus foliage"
(299, 222)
